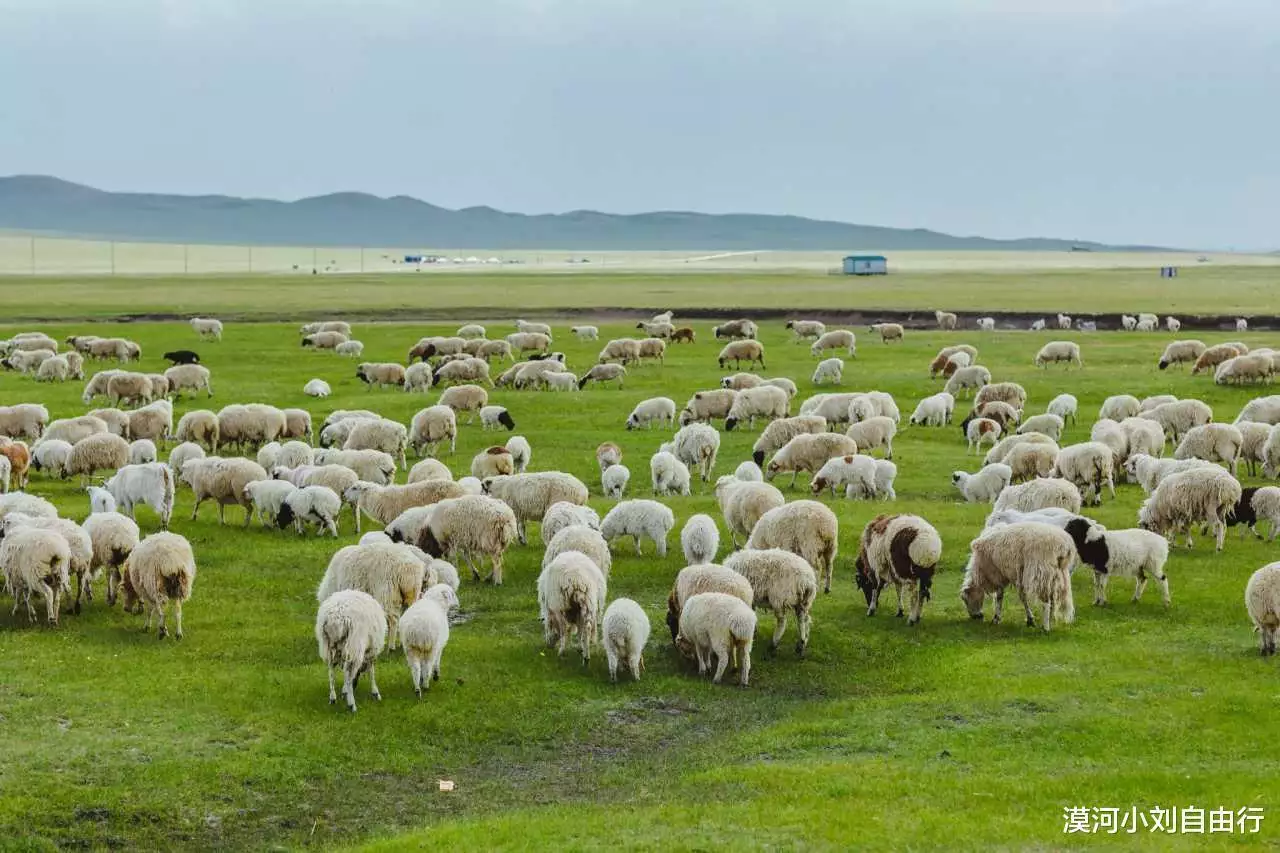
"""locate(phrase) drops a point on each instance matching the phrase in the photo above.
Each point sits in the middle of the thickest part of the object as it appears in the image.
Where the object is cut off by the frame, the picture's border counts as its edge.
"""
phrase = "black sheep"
(182, 356)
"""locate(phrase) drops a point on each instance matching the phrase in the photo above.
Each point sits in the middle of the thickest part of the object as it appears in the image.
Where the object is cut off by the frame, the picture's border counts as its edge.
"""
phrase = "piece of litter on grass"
(445, 784)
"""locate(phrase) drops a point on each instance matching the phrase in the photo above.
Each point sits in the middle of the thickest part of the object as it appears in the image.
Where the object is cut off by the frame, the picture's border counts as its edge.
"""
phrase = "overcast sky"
(1151, 121)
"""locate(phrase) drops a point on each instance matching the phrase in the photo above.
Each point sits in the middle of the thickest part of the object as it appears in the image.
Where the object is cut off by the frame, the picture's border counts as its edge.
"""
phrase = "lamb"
(837, 339)
(984, 486)
(317, 388)
(659, 409)
(855, 474)
(473, 527)
(1045, 424)
(805, 329)
(767, 401)
(465, 398)
(1262, 600)
(424, 632)
(700, 539)
(696, 445)
(626, 631)
(708, 405)
(987, 324)
(351, 630)
(669, 475)
(900, 549)
(352, 349)
(564, 514)
(719, 625)
(49, 456)
(608, 454)
(221, 480)
(102, 451)
(431, 426)
(149, 484)
(371, 465)
(934, 410)
(744, 503)
(1181, 352)
(1173, 324)
(1038, 325)
(1201, 495)
(530, 495)
(808, 452)
(639, 519)
(1257, 366)
(585, 333)
(603, 373)
(750, 351)
(979, 430)
(34, 559)
(267, 497)
(1040, 494)
(571, 595)
(735, 329)
(384, 503)
(782, 582)
(1035, 558)
(1008, 392)
(805, 528)
(946, 320)
(521, 452)
(1212, 443)
(560, 382)
(888, 331)
(160, 569)
(1214, 356)
(492, 417)
(954, 362)
(966, 378)
(1178, 417)
(614, 479)
(829, 370)
(318, 505)
(1139, 554)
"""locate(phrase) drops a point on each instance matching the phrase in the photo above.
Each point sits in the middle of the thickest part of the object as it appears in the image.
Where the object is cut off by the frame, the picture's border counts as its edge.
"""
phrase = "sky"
(1128, 121)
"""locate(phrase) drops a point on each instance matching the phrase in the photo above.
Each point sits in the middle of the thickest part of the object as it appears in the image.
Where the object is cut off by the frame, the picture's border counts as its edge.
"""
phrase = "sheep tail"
(177, 585)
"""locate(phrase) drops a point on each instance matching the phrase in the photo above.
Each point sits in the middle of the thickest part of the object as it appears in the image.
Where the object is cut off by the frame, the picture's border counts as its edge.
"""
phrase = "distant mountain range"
(36, 203)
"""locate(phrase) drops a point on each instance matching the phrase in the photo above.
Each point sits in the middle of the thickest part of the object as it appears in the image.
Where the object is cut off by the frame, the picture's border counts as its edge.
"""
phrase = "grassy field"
(952, 734)
(1210, 289)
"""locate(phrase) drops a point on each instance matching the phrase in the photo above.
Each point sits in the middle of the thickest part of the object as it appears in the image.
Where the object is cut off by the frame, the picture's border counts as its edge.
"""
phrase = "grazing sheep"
(465, 398)
(855, 475)
(493, 417)
(424, 632)
(1045, 424)
(250, 426)
(29, 420)
(603, 373)
(1141, 436)
(805, 528)
(837, 339)
(1147, 470)
(954, 362)
(521, 452)
(1028, 460)
(1006, 392)
(530, 495)
(391, 573)
(945, 319)
(1216, 355)
(1035, 558)
(1005, 446)
(1139, 554)
(221, 480)
(625, 633)
(15, 459)
(740, 381)
(719, 625)
(1119, 407)
(1257, 366)
(324, 340)
(659, 409)
(1173, 324)
(571, 596)
(431, 426)
(1038, 325)
(875, 432)
(160, 569)
(700, 539)
(767, 401)
(613, 481)
(781, 582)
(1179, 416)
(1262, 600)
(639, 519)
(1089, 466)
(267, 497)
(1199, 495)
(472, 527)
(608, 454)
(657, 329)
(622, 350)
(900, 549)
(830, 370)
(418, 378)
(984, 486)
(326, 326)
(467, 370)
(352, 349)
(1040, 494)
(809, 452)
(103, 451)
(888, 331)
(743, 503)
(38, 560)
(351, 630)
(49, 456)
(979, 430)
(367, 464)
(986, 324)
(384, 503)
(735, 329)
(316, 388)
(492, 462)
(199, 426)
(934, 410)
(564, 514)
(708, 405)
(429, 469)
(750, 351)
(142, 451)
(1002, 413)
(1254, 437)
(669, 475)
(585, 333)
(1263, 410)
(696, 445)
(1059, 351)
(805, 329)
(149, 484)
(1212, 443)
(311, 505)
(967, 378)
(1181, 352)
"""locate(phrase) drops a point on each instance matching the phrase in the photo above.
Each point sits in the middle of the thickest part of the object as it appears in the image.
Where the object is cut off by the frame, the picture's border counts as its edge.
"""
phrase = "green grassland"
(1198, 290)
(952, 734)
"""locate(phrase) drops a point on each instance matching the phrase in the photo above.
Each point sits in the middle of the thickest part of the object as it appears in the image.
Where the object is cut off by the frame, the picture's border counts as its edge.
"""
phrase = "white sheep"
(934, 410)
(1138, 554)
(424, 632)
(267, 497)
(829, 371)
(713, 624)
(986, 485)
(614, 479)
(700, 539)
(696, 445)
(1089, 466)
(391, 573)
(148, 484)
(37, 560)
(418, 378)
(351, 630)
(782, 430)
(660, 410)
(1038, 325)
(980, 430)
(872, 433)
(967, 378)
(531, 495)
(564, 514)
(987, 324)
(160, 570)
(946, 320)
(318, 505)
(809, 452)
(431, 426)
(854, 474)
(1059, 351)
(837, 339)
(743, 503)
(1035, 558)
(805, 329)
(1179, 416)
(625, 633)
(1212, 443)
(1119, 407)
(783, 583)
(142, 451)
(1046, 424)
(571, 596)
(1142, 436)
(1173, 324)
(640, 519)
(472, 527)
(585, 333)
(579, 537)
(1262, 600)
(1196, 496)
(1040, 493)
(806, 528)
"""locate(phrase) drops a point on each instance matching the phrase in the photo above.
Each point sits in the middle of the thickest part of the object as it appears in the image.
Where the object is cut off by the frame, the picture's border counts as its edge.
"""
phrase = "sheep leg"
(50, 604)
(349, 676)
(177, 619)
(1025, 597)
(636, 663)
(1048, 612)
(1219, 532)
(722, 663)
(163, 630)
(917, 602)
(897, 586)
(661, 546)
(496, 574)
(1100, 589)
(373, 681)
(874, 604)
(415, 675)
(999, 609)
(333, 694)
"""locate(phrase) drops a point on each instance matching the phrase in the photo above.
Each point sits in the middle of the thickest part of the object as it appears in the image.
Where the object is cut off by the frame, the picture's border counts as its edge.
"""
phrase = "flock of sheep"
(399, 584)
